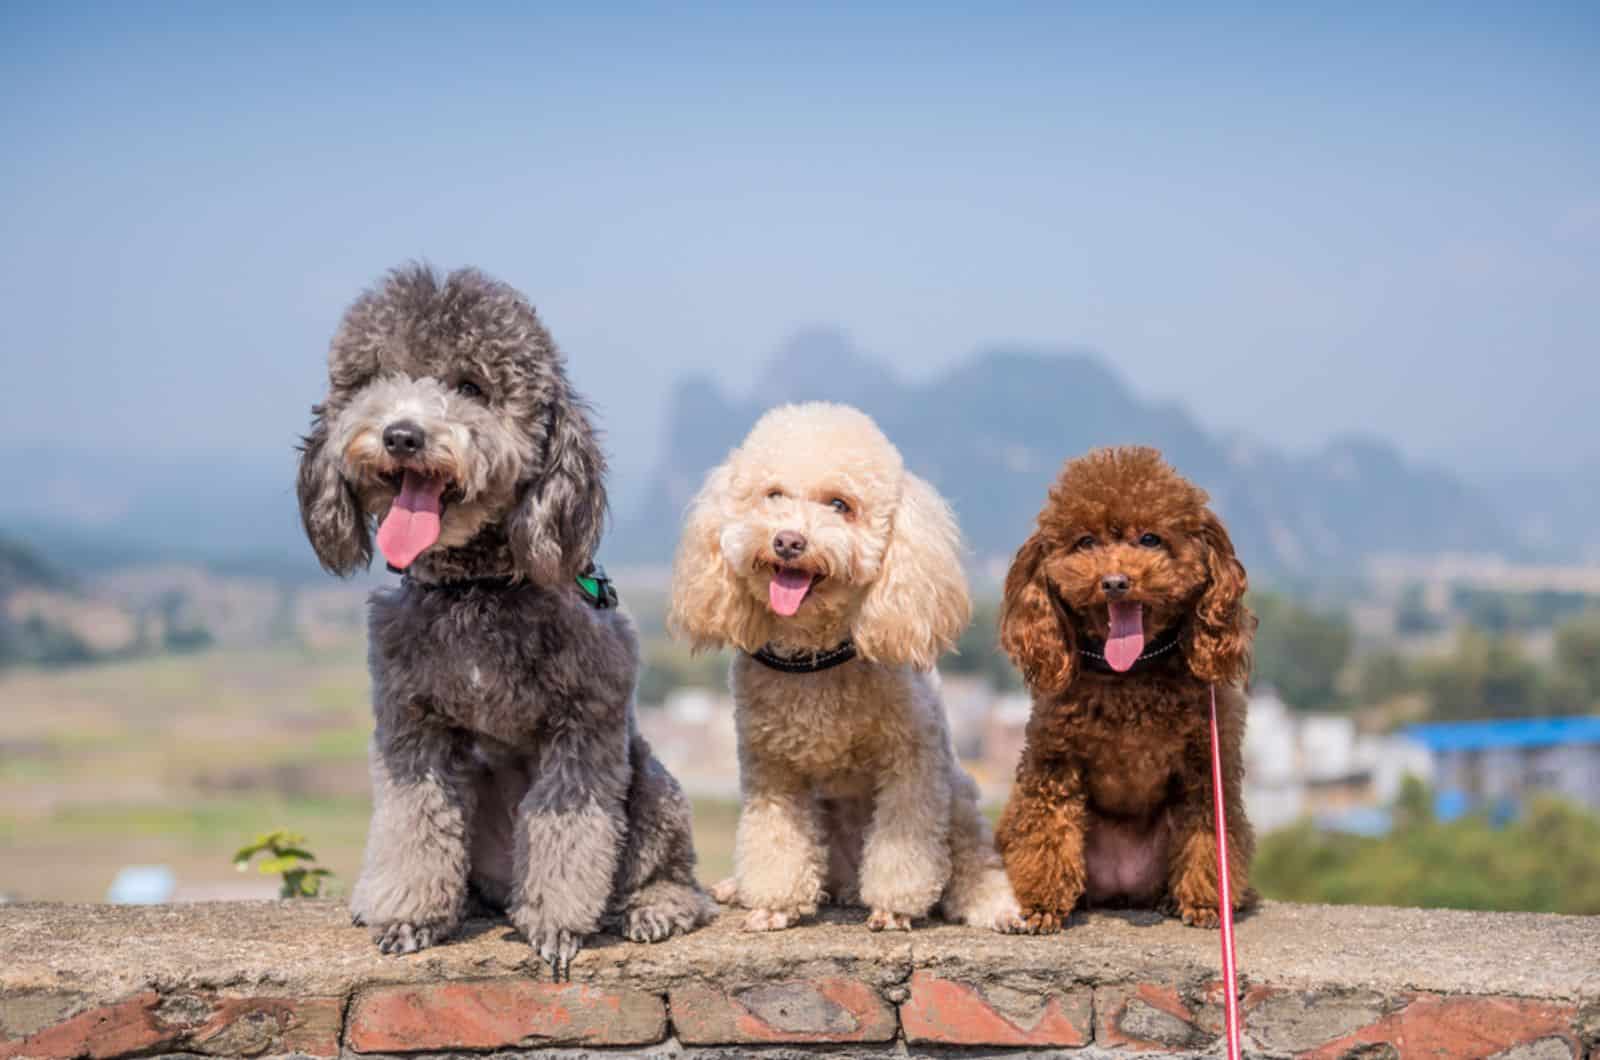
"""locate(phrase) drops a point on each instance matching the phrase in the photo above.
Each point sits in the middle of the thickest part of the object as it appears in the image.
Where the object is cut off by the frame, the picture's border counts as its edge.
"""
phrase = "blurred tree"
(39, 642)
(1385, 675)
(667, 666)
(1411, 613)
(1300, 652)
(978, 651)
(1548, 860)
(1485, 677)
(1577, 654)
(1497, 611)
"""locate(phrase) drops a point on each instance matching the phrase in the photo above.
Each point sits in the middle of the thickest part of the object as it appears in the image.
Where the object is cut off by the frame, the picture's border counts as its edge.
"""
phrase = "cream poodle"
(836, 575)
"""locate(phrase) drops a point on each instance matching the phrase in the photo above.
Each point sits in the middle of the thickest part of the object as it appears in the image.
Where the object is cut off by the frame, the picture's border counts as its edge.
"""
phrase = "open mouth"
(789, 588)
(1125, 638)
(412, 524)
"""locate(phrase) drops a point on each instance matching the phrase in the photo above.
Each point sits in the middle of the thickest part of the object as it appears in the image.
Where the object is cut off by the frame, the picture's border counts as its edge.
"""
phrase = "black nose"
(789, 545)
(1115, 585)
(404, 438)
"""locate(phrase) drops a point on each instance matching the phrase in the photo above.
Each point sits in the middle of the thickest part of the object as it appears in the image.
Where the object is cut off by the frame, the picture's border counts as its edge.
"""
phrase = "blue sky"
(1385, 220)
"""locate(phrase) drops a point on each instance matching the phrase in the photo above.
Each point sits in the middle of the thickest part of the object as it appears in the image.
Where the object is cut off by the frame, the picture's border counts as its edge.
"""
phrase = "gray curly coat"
(506, 760)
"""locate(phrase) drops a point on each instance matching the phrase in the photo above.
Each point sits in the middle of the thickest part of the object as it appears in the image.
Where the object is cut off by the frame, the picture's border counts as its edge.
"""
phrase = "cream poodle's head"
(812, 531)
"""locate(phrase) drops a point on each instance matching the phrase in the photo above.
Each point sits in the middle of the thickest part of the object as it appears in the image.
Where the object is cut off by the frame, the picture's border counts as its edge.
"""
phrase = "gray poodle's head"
(449, 425)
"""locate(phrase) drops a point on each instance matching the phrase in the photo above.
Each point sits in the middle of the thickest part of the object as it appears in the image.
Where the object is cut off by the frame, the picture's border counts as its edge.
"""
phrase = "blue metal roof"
(1512, 732)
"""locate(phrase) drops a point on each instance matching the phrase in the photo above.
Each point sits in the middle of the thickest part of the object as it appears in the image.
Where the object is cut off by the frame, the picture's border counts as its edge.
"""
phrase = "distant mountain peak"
(992, 431)
(820, 362)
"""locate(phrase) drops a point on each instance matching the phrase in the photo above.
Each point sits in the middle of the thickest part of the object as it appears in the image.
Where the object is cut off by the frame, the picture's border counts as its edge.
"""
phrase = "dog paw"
(883, 920)
(770, 920)
(726, 892)
(402, 936)
(557, 947)
(994, 910)
(1008, 923)
(651, 925)
(1201, 917)
(1040, 922)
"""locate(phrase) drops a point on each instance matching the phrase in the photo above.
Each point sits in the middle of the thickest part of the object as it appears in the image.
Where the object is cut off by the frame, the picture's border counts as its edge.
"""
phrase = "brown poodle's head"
(1126, 557)
(811, 532)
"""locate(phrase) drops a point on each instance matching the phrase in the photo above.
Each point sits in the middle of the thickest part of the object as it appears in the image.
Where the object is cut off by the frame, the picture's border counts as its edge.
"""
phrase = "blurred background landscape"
(1343, 272)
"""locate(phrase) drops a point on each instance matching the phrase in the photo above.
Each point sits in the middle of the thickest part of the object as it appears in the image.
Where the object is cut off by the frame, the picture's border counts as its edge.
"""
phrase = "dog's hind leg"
(979, 892)
(413, 886)
(656, 894)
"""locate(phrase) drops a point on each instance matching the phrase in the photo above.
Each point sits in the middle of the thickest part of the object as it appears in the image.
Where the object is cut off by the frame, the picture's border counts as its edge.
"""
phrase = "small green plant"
(286, 857)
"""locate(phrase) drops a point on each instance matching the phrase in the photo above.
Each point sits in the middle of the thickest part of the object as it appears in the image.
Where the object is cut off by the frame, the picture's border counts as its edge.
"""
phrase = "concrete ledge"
(294, 978)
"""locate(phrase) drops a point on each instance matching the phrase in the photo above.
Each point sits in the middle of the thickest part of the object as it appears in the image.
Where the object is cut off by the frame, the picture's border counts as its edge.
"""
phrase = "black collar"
(493, 582)
(1094, 656)
(598, 590)
(816, 662)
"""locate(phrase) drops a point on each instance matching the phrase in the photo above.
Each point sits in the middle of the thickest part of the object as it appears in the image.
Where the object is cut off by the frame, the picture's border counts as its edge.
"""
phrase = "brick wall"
(277, 979)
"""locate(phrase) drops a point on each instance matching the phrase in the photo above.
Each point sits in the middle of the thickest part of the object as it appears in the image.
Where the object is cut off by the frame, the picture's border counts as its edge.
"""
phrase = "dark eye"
(468, 389)
(773, 495)
(1149, 541)
(840, 505)
(1086, 541)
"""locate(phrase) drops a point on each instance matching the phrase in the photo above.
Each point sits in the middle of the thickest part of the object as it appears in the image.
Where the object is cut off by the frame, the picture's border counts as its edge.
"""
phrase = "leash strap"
(1230, 984)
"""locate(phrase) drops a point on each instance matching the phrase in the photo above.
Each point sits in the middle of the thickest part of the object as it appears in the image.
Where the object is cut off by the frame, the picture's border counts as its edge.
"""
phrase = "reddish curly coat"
(1113, 802)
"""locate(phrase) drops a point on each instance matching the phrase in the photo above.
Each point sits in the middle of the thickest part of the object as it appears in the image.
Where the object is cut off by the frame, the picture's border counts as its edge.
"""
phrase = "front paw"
(1042, 922)
(400, 937)
(1201, 914)
(770, 920)
(557, 947)
(884, 920)
(726, 891)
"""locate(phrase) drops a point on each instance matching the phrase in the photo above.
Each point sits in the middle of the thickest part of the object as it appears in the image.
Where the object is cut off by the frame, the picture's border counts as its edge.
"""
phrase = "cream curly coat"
(851, 786)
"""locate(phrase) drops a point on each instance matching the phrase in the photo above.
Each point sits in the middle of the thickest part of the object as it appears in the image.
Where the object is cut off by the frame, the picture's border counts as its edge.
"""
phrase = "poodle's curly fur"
(1113, 799)
(851, 787)
(505, 756)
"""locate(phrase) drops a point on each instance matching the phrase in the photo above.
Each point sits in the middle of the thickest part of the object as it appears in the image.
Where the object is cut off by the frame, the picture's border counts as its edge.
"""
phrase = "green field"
(179, 760)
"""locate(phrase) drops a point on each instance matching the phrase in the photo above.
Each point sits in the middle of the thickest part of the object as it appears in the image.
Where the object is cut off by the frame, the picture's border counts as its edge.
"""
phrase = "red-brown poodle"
(1121, 611)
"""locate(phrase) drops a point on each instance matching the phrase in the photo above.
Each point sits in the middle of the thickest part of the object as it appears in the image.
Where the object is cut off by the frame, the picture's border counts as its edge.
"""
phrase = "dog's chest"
(469, 661)
(833, 728)
(1133, 746)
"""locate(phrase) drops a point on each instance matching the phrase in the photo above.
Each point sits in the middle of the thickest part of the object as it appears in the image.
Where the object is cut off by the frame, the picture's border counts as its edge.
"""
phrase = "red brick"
(832, 1009)
(500, 1013)
(1151, 1018)
(1439, 1027)
(946, 1010)
(259, 1026)
(204, 1023)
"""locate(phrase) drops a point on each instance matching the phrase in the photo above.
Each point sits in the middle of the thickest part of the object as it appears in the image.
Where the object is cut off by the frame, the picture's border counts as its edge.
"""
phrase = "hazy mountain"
(992, 433)
(90, 511)
(23, 568)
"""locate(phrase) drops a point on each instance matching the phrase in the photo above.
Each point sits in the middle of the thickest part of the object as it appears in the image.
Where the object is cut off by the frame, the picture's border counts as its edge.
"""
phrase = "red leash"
(1224, 890)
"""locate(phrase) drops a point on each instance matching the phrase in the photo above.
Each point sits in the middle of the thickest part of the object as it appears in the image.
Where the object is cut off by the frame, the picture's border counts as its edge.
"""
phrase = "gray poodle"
(506, 761)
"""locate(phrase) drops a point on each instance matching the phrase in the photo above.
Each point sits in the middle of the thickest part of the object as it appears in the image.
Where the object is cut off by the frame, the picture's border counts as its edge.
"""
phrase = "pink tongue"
(1126, 640)
(412, 524)
(788, 590)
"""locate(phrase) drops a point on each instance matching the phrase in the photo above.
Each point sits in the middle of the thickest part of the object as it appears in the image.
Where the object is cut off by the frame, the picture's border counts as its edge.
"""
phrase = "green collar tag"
(597, 587)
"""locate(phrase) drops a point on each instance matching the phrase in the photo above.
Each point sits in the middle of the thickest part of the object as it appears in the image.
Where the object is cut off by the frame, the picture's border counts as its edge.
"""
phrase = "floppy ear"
(1032, 632)
(919, 605)
(1218, 647)
(556, 529)
(334, 521)
(708, 604)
